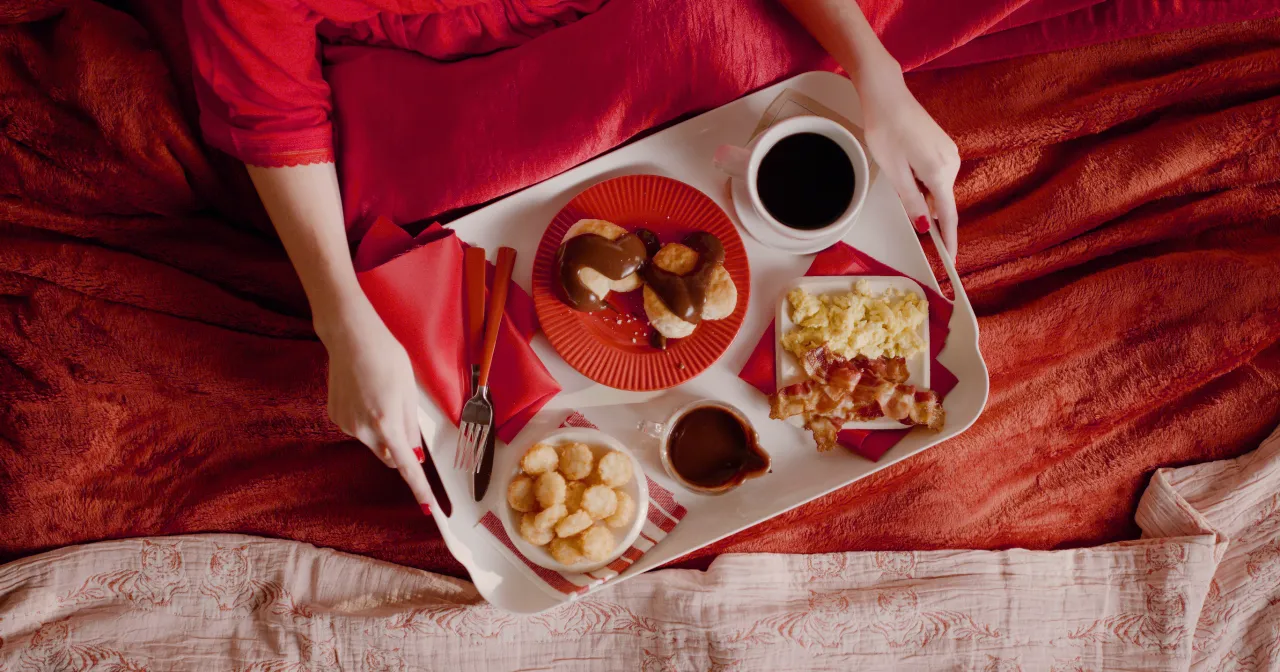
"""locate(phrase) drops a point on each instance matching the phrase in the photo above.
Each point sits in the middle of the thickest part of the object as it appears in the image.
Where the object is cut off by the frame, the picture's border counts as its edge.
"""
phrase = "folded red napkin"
(415, 284)
(840, 259)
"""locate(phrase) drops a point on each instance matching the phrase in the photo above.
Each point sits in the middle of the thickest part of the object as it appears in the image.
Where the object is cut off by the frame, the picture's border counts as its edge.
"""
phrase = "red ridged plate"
(612, 348)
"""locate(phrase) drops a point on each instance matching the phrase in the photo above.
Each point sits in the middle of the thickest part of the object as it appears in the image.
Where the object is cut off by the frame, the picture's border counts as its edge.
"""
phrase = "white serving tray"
(790, 371)
(800, 473)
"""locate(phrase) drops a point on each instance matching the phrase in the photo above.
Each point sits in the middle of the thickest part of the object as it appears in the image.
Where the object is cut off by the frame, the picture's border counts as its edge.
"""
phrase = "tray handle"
(956, 286)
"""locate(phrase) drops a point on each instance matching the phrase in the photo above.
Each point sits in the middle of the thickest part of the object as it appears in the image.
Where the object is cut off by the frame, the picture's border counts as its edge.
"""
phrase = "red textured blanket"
(158, 373)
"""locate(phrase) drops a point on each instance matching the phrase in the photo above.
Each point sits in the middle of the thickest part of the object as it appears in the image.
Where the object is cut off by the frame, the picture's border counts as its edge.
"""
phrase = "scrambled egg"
(856, 323)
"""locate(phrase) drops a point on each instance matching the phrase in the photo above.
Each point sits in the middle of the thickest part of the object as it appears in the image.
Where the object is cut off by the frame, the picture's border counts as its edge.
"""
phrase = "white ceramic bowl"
(638, 488)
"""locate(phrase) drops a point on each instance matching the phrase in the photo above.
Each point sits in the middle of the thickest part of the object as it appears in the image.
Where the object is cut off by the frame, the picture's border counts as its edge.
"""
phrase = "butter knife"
(473, 271)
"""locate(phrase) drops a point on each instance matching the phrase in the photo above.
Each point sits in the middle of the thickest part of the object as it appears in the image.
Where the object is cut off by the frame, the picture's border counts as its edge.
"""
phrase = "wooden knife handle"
(497, 306)
(473, 277)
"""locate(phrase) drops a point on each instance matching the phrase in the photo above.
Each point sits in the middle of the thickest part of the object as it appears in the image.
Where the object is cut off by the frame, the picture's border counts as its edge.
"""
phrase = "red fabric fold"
(1042, 27)
(415, 284)
(840, 259)
(1040, 10)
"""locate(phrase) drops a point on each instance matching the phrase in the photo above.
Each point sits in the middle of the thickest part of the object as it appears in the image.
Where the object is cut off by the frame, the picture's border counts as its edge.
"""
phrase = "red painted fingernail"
(422, 457)
(922, 224)
(426, 508)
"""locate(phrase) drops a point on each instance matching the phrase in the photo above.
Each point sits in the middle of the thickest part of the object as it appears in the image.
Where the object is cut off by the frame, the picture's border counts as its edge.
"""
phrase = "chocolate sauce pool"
(711, 447)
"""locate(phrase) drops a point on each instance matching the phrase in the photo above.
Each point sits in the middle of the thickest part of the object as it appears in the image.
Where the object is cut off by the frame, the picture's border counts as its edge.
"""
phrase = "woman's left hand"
(919, 157)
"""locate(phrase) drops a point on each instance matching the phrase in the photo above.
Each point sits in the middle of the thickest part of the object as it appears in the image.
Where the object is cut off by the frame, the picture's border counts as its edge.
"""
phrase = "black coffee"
(806, 181)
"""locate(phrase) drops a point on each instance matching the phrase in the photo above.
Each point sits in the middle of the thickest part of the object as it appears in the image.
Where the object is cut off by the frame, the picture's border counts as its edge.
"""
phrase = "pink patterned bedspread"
(1198, 592)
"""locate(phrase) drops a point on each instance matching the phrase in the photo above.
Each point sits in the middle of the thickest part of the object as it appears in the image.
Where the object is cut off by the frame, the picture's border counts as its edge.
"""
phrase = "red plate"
(612, 348)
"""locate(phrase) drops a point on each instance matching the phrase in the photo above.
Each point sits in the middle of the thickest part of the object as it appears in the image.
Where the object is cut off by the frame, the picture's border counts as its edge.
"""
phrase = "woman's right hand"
(918, 157)
(372, 392)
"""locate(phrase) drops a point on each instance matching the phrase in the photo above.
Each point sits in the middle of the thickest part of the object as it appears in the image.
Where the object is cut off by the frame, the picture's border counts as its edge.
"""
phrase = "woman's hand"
(372, 392)
(918, 157)
(906, 142)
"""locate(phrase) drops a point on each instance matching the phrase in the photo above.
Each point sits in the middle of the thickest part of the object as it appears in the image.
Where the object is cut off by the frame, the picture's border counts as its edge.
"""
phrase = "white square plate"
(789, 370)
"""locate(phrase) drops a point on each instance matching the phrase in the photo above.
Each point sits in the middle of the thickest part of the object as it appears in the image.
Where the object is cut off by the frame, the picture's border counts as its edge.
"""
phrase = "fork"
(473, 270)
(477, 415)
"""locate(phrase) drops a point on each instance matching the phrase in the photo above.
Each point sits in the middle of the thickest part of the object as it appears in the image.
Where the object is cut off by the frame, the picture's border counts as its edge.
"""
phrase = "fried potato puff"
(577, 497)
(573, 524)
(614, 469)
(540, 459)
(573, 495)
(532, 533)
(548, 517)
(520, 494)
(599, 502)
(623, 514)
(549, 489)
(576, 461)
(597, 543)
(565, 551)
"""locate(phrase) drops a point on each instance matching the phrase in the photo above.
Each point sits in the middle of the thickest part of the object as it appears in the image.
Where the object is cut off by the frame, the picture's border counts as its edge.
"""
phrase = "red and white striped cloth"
(664, 514)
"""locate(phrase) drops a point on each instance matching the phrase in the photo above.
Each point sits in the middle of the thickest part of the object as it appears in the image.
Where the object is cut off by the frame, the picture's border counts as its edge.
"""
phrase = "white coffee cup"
(743, 163)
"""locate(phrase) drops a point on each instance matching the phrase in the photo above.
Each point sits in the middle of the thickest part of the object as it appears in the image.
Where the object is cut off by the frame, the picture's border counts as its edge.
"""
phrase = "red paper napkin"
(415, 284)
(840, 259)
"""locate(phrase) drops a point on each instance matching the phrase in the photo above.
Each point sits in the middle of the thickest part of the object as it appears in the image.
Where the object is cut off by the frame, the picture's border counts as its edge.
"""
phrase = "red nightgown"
(257, 62)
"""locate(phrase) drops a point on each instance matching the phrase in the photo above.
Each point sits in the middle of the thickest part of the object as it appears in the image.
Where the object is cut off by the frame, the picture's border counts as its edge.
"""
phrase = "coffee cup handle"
(732, 160)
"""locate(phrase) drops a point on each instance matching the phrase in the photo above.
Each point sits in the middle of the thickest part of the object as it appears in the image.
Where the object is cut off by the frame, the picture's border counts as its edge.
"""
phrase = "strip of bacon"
(794, 400)
(826, 431)
(841, 391)
(892, 369)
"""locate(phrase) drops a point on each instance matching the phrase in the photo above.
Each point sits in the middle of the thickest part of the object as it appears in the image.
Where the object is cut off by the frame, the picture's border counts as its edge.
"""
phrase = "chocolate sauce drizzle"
(651, 242)
(614, 259)
(685, 295)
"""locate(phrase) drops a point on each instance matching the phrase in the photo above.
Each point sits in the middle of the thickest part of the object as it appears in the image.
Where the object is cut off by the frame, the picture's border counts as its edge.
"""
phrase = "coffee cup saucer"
(761, 231)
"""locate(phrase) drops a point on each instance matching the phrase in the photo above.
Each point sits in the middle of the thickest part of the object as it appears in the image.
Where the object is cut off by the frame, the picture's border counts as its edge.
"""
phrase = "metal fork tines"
(473, 431)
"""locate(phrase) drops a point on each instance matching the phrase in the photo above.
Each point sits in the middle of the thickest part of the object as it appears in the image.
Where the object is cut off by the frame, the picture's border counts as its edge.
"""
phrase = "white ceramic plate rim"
(638, 488)
(788, 371)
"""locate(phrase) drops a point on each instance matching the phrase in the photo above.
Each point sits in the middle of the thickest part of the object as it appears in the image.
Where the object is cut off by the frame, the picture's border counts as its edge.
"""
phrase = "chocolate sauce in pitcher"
(711, 447)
